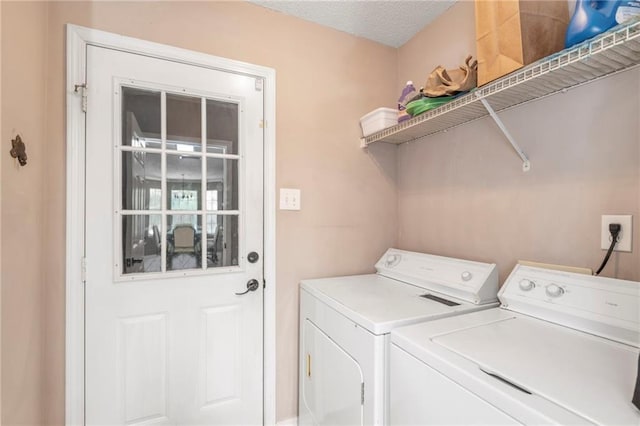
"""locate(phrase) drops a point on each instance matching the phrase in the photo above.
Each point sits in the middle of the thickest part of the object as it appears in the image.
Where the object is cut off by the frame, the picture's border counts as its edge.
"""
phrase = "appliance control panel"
(604, 306)
(472, 281)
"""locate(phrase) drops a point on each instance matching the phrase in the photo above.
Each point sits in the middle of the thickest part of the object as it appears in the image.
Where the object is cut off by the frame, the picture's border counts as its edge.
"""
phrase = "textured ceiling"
(390, 22)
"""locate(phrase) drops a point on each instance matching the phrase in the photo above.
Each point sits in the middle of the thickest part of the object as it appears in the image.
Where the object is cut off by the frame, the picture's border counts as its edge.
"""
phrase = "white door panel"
(142, 358)
(173, 205)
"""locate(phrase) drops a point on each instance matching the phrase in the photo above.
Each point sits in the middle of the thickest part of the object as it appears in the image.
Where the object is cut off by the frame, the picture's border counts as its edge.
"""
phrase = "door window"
(179, 168)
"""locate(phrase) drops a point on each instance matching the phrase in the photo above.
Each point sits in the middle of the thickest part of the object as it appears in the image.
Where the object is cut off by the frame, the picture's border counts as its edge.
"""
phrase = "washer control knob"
(392, 260)
(526, 285)
(554, 290)
(466, 276)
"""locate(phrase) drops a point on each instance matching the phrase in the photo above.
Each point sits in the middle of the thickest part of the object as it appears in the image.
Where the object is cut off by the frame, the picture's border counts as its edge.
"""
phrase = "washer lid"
(588, 375)
(474, 282)
(380, 304)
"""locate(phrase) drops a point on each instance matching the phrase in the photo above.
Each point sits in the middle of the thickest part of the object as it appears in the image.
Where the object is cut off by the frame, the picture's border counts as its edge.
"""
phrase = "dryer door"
(333, 385)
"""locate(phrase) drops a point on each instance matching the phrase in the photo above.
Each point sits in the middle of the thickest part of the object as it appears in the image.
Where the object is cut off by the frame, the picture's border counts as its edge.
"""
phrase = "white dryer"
(562, 349)
(345, 324)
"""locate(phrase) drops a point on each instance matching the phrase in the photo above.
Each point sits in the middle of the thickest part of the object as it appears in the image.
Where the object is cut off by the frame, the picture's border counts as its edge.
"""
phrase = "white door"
(174, 206)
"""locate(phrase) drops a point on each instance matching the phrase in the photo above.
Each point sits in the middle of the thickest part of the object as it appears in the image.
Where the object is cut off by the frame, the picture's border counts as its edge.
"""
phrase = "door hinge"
(264, 283)
(308, 365)
(83, 269)
(362, 393)
(83, 87)
(259, 84)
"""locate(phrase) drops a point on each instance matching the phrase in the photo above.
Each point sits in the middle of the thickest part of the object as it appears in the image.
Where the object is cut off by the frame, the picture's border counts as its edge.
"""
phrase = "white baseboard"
(293, 421)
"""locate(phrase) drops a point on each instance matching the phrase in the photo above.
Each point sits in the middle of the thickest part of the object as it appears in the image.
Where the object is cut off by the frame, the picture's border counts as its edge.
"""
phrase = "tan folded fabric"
(442, 82)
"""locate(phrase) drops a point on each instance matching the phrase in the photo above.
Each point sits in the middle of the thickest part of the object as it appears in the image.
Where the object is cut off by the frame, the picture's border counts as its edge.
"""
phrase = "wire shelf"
(609, 53)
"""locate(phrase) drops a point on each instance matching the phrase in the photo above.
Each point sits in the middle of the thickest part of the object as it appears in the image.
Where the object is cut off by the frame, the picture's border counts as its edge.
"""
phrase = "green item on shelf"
(425, 104)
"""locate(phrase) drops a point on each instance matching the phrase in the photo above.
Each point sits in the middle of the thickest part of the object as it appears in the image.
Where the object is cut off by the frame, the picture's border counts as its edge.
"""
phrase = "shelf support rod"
(526, 165)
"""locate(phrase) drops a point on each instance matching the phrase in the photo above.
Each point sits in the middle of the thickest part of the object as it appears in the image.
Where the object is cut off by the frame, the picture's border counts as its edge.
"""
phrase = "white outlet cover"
(626, 233)
(289, 199)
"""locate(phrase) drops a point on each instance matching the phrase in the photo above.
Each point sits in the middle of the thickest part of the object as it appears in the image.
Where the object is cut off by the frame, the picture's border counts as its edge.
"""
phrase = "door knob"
(252, 285)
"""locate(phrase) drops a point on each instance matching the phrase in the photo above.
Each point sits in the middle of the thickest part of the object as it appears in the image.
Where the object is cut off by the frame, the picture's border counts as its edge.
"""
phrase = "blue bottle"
(590, 18)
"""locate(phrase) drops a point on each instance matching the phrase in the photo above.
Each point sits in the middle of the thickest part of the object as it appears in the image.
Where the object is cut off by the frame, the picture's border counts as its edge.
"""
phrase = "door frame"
(78, 38)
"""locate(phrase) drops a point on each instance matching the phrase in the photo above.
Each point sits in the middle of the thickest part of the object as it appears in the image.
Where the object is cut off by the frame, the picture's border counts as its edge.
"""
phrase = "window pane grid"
(163, 146)
(179, 212)
(195, 153)
(184, 213)
(203, 183)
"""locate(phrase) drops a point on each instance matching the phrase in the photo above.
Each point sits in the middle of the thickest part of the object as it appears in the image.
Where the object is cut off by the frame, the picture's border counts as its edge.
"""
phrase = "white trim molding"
(1, 135)
(78, 38)
(293, 421)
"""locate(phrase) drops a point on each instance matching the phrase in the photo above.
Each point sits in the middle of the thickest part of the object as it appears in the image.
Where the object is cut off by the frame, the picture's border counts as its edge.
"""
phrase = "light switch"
(289, 199)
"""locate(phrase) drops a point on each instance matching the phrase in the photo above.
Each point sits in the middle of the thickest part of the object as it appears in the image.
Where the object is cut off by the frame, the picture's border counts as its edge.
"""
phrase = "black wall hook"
(19, 150)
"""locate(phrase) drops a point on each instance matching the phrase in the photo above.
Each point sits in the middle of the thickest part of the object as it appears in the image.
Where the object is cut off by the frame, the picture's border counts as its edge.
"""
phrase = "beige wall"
(326, 80)
(24, 56)
(446, 41)
(460, 193)
(463, 193)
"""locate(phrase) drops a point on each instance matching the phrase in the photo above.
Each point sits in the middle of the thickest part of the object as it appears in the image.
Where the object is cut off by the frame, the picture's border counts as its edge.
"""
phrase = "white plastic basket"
(378, 119)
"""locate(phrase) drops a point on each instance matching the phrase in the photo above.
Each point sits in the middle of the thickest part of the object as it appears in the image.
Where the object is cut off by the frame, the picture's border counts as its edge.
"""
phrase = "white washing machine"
(345, 324)
(562, 349)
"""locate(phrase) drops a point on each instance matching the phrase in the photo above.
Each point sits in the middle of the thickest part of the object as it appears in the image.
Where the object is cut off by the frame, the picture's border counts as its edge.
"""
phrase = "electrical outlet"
(626, 232)
(289, 199)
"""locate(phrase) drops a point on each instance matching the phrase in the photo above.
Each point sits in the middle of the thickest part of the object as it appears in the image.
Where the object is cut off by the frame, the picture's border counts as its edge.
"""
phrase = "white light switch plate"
(626, 232)
(289, 199)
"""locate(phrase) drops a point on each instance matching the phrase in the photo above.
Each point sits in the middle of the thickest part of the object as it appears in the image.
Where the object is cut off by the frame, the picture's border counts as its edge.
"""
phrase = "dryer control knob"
(526, 285)
(554, 290)
(466, 276)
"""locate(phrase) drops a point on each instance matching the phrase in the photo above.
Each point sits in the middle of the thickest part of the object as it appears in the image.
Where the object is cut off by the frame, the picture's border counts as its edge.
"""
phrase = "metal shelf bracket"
(526, 164)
